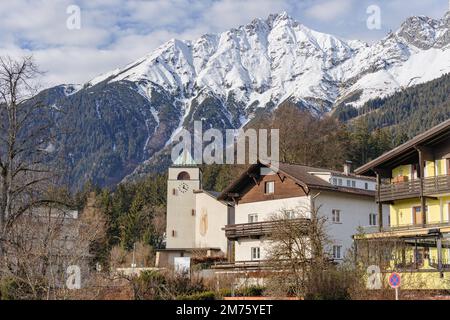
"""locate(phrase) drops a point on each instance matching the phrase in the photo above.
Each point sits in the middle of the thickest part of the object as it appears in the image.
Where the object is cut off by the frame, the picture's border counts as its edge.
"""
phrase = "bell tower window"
(183, 176)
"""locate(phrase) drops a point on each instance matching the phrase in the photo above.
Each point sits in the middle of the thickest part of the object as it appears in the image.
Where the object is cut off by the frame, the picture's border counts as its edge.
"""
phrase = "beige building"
(195, 218)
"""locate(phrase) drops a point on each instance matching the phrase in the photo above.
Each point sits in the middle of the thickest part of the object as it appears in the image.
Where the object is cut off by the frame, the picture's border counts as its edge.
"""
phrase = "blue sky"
(116, 32)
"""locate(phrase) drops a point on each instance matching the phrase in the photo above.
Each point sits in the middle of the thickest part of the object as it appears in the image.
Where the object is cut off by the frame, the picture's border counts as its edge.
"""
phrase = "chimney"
(348, 167)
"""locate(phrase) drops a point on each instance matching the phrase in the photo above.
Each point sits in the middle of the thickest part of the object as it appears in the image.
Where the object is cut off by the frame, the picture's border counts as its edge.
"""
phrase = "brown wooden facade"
(284, 188)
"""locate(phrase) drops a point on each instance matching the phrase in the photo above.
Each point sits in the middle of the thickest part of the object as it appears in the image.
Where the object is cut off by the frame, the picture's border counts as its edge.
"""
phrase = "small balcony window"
(252, 218)
(269, 187)
(255, 253)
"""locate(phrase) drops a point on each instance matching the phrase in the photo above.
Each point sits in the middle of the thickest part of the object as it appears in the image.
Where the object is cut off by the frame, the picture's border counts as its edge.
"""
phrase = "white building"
(344, 199)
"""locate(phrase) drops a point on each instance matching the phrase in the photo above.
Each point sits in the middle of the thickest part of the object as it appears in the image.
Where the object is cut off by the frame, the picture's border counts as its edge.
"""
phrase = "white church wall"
(211, 217)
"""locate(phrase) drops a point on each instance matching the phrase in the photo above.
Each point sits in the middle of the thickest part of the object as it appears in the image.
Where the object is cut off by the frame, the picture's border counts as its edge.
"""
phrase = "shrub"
(251, 291)
(8, 289)
(154, 285)
(204, 296)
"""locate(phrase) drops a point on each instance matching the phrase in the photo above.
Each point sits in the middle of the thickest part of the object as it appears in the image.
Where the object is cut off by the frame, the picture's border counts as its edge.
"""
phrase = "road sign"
(394, 280)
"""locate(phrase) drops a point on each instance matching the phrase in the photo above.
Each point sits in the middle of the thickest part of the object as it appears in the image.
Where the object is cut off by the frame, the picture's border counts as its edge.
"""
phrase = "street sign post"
(395, 282)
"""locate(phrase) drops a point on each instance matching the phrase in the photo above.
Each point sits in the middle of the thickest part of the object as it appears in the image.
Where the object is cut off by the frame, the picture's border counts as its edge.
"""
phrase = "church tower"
(184, 178)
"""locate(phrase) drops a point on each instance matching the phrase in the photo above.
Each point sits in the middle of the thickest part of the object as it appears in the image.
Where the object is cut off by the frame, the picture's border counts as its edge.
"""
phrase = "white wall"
(243, 249)
(355, 212)
(210, 218)
(267, 209)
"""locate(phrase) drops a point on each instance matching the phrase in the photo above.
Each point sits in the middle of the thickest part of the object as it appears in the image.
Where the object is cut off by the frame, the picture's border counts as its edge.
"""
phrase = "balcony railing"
(258, 229)
(432, 186)
(406, 227)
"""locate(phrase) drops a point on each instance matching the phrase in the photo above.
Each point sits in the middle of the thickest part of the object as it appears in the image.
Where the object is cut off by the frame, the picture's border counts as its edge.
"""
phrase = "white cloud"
(330, 9)
(233, 13)
(116, 32)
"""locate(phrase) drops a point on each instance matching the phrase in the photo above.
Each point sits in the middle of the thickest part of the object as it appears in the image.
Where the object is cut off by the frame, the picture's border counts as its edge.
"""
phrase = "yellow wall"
(430, 169)
(401, 211)
(402, 171)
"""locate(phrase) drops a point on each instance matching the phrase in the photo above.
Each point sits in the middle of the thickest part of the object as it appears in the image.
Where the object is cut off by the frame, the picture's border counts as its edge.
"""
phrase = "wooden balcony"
(432, 187)
(258, 229)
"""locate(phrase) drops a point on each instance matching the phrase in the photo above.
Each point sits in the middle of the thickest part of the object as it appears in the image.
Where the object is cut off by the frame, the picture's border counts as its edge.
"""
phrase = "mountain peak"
(425, 32)
(446, 18)
(277, 18)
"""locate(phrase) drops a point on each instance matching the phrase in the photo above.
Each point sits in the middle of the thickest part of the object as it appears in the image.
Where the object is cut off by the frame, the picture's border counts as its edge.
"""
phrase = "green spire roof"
(185, 160)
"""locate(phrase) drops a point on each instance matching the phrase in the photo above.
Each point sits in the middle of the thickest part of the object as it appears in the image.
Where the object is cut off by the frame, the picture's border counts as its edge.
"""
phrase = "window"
(290, 214)
(183, 176)
(337, 251)
(373, 219)
(353, 184)
(269, 187)
(349, 183)
(340, 182)
(255, 253)
(252, 218)
(366, 186)
(335, 181)
(336, 216)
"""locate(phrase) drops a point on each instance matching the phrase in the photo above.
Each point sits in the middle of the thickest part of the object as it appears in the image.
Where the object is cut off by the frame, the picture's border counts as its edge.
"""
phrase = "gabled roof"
(302, 175)
(433, 136)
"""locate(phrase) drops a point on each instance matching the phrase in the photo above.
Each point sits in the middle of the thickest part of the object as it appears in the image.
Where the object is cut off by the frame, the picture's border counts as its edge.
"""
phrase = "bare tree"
(43, 243)
(297, 250)
(25, 143)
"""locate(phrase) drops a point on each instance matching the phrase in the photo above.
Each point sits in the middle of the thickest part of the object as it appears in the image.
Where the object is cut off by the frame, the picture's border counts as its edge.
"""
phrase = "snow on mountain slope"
(268, 61)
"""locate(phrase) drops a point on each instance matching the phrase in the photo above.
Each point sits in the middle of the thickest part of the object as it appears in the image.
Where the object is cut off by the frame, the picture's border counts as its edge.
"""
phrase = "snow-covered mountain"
(268, 61)
(225, 79)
